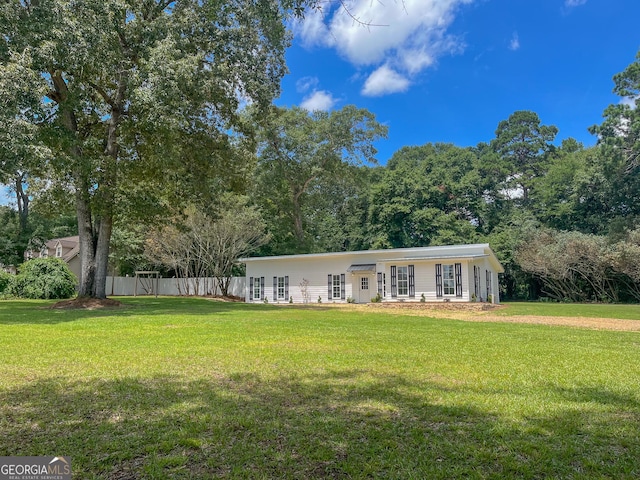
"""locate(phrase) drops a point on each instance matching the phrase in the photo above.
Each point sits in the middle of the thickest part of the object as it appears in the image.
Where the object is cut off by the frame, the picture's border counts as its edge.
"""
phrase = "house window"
(335, 286)
(59, 251)
(44, 253)
(403, 281)
(382, 284)
(448, 280)
(257, 291)
(488, 274)
(280, 288)
(364, 283)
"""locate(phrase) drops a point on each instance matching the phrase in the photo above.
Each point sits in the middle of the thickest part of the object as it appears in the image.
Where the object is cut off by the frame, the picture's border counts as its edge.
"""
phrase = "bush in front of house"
(6, 279)
(44, 278)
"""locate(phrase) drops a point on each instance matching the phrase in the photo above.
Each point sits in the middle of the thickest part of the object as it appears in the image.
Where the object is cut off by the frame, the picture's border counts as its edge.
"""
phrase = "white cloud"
(630, 101)
(574, 3)
(384, 81)
(306, 83)
(514, 44)
(406, 35)
(319, 100)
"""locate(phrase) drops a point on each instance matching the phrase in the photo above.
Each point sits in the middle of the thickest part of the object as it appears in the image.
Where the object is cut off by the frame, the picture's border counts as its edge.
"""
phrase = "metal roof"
(436, 257)
(368, 267)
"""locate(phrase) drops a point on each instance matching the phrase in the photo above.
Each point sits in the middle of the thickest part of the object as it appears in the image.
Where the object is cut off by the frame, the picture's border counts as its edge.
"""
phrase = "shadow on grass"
(15, 312)
(600, 396)
(344, 424)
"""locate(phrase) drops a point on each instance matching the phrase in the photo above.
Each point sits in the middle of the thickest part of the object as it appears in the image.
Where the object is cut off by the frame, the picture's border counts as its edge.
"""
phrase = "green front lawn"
(190, 388)
(589, 310)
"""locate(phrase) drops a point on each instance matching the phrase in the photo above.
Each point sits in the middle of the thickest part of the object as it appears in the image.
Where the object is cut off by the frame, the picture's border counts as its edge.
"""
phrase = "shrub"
(377, 298)
(45, 278)
(6, 279)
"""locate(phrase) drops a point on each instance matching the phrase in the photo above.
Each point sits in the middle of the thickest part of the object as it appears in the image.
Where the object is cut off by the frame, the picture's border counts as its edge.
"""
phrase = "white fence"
(125, 286)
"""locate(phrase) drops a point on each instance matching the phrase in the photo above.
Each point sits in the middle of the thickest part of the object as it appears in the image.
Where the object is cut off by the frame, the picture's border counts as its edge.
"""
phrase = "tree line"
(130, 120)
(562, 218)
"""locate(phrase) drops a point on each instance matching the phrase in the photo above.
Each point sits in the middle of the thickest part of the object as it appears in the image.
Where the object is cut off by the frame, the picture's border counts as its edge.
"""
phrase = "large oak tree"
(126, 97)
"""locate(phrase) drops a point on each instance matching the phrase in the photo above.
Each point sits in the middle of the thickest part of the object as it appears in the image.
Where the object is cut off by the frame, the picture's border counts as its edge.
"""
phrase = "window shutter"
(488, 284)
(476, 287)
(439, 280)
(394, 282)
(459, 280)
(412, 282)
(343, 287)
(275, 289)
(380, 283)
(261, 288)
(286, 287)
(330, 283)
(250, 288)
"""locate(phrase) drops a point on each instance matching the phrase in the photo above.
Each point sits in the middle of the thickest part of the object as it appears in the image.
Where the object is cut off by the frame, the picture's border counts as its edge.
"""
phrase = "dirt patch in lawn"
(486, 312)
(86, 303)
(582, 322)
(222, 298)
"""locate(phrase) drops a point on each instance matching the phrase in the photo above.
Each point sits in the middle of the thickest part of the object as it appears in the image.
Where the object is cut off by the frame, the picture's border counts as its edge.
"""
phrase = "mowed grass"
(191, 388)
(587, 310)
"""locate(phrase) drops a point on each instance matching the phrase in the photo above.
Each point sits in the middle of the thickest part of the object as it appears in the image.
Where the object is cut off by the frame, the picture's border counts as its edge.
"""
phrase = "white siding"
(425, 281)
(316, 268)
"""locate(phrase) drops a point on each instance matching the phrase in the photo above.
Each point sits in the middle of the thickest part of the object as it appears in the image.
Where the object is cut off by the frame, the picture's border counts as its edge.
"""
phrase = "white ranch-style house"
(455, 273)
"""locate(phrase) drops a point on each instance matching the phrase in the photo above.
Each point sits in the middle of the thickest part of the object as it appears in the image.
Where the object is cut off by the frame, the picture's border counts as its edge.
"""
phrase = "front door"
(363, 287)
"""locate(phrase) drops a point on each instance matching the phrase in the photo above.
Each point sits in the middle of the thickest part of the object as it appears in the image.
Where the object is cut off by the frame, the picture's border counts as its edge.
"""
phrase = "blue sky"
(451, 70)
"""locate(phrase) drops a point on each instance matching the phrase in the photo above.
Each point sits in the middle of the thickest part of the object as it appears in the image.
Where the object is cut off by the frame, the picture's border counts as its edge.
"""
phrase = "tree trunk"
(96, 232)
(87, 245)
(23, 201)
(298, 224)
(102, 257)
(94, 250)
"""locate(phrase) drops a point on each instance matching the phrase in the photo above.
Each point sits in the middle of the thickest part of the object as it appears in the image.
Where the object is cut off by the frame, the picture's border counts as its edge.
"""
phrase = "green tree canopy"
(303, 151)
(427, 195)
(131, 96)
(523, 142)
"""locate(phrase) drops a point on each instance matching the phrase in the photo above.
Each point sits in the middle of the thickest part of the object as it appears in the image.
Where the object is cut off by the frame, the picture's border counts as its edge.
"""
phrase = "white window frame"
(257, 291)
(402, 280)
(58, 251)
(364, 283)
(281, 288)
(336, 287)
(448, 282)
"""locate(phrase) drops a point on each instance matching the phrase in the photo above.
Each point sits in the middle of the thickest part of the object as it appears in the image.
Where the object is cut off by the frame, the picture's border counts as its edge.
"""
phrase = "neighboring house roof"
(65, 242)
(401, 254)
(72, 253)
(70, 248)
